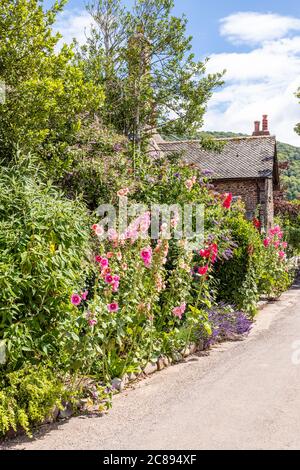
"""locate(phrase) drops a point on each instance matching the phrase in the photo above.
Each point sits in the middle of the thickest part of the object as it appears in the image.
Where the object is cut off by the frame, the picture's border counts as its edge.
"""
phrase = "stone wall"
(254, 193)
(247, 189)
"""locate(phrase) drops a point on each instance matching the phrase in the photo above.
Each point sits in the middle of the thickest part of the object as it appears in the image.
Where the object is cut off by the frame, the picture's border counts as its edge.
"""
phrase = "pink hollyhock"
(109, 254)
(99, 231)
(183, 307)
(124, 266)
(177, 312)
(104, 262)
(75, 299)
(281, 254)
(113, 307)
(98, 259)
(284, 245)
(105, 270)
(119, 255)
(84, 294)
(203, 270)
(146, 255)
(94, 227)
(266, 242)
(227, 201)
(92, 322)
(115, 286)
(275, 231)
(108, 278)
(116, 278)
(123, 192)
(277, 244)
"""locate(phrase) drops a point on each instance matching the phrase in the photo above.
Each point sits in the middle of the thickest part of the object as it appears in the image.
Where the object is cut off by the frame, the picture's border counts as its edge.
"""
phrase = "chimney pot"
(256, 128)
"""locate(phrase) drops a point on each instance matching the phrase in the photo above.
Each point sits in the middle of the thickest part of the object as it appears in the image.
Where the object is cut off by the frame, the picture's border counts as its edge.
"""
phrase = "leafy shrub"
(237, 278)
(43, 251)
(29, 396)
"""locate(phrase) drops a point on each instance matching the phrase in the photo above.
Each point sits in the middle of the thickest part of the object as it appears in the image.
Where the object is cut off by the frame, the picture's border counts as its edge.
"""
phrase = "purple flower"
(228, 254)
(207, 172)
(226, 323)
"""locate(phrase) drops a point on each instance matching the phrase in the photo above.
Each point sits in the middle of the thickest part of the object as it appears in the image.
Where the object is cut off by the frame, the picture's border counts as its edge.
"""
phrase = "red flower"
(256, 222)
(204, 253)
(203, 270)
(227, 201)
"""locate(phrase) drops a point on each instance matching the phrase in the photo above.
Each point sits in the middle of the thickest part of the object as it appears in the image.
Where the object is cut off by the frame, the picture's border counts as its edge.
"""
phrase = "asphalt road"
(244, 395)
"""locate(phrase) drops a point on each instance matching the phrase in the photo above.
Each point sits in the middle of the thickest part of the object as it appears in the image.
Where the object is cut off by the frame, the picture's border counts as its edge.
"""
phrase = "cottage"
(246, 167)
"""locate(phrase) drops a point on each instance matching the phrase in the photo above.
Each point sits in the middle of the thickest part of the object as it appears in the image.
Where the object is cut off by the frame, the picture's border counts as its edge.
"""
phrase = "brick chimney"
(256, 128)
(265, 127)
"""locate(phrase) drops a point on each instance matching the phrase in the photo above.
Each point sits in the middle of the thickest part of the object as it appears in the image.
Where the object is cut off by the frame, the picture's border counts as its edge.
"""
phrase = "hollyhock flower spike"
(75, 299)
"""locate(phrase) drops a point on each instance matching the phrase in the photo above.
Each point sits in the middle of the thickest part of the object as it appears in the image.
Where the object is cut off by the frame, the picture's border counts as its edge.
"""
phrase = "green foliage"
(237, 278)
(43, 248)
(46, 93)
(29, 396)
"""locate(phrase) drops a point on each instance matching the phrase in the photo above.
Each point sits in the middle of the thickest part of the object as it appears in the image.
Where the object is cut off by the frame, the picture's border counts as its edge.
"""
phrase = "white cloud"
(261, 81)
(73, 24)
(253, 28)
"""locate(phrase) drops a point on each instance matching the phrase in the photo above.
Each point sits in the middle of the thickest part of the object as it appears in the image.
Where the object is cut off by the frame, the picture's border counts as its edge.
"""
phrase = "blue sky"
(258, 42)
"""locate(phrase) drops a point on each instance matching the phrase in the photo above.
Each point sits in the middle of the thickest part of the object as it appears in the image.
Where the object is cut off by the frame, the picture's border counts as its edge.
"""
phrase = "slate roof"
(241, 157)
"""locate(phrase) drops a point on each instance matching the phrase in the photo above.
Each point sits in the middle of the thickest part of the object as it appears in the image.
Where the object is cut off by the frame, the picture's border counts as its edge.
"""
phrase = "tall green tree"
(143, 59)
(46, 93)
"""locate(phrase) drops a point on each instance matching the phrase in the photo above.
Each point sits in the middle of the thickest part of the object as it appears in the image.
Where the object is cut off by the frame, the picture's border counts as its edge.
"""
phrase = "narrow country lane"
(244, 395)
